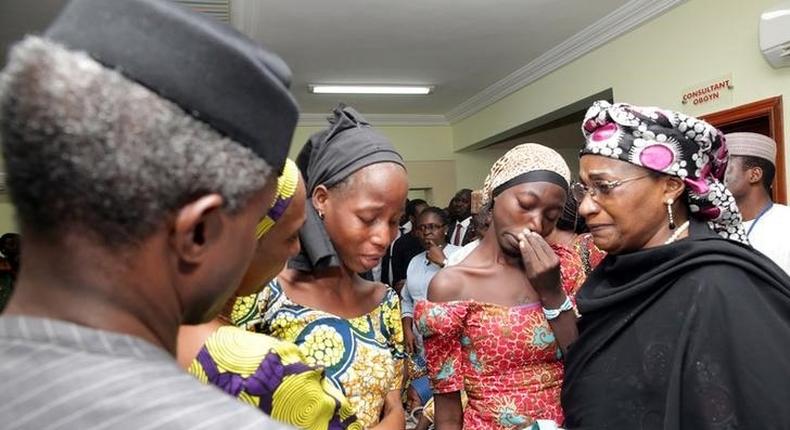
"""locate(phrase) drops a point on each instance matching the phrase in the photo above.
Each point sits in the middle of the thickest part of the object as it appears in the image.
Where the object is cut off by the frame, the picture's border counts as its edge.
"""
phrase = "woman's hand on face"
(435, 254)
(542, 267)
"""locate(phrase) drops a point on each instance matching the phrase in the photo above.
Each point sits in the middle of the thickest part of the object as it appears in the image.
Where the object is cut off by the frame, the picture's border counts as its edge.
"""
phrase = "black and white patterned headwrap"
(674, 144)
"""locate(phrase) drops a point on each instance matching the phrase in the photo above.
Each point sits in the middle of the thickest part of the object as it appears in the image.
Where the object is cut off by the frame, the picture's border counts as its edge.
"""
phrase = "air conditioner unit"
(775, 34)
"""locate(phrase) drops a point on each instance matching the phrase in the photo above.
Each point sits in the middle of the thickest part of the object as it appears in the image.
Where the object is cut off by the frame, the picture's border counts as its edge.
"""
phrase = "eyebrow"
(598, 174)
(529, 192)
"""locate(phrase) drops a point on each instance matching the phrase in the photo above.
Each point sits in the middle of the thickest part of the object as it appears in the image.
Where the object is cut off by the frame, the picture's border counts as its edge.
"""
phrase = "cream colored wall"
(420, 146)
(7, 221)
(695, 42)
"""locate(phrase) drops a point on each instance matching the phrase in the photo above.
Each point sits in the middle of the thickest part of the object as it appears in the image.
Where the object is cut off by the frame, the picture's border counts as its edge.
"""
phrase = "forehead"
(595, 165)
(381, 182)
(429, 218)
(545, 191)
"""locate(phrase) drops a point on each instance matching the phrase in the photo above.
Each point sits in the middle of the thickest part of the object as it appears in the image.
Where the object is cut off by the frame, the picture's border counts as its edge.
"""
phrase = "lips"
(598, 227)
(371, 260)
(511, 238)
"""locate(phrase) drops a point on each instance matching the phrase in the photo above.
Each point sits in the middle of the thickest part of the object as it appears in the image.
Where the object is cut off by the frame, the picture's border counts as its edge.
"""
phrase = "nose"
(382, 235)
(588, 206)
(535, 222)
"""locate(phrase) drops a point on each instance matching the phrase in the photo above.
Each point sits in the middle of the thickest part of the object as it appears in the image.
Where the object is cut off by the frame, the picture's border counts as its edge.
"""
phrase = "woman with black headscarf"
(684, 326)
(356, 186)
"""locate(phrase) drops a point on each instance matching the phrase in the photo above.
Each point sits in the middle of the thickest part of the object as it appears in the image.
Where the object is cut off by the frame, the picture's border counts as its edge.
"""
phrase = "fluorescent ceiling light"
(369, 89)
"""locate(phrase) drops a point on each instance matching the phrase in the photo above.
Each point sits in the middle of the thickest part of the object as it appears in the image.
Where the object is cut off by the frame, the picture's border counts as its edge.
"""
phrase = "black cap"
(210, 70)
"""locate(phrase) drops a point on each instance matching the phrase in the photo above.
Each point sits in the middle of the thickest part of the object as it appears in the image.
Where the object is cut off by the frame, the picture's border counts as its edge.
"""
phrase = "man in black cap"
(142, 143)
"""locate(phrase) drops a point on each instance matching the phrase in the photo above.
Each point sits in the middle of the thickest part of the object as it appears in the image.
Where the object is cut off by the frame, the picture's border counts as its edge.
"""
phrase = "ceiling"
(473, 52)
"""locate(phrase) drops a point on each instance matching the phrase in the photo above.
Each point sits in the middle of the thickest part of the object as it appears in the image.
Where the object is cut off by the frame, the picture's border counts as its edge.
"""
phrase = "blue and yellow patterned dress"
(271, 375)
(361, 356)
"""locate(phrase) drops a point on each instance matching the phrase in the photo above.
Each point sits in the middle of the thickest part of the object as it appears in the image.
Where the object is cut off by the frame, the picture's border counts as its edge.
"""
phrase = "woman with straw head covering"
(492, 324)
(683, 324)
(260, 370)
(356, 186)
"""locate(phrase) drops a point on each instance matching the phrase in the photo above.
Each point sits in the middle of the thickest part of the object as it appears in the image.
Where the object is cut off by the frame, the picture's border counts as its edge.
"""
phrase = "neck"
(663, 233)
(337, 279)
(752, 203)
(78, 281)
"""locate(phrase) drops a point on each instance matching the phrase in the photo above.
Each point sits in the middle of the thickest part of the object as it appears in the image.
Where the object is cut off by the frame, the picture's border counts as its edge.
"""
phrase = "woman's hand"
(448, 411)
(393, 417)
(542, 267)
(409, 340)
(435, 254)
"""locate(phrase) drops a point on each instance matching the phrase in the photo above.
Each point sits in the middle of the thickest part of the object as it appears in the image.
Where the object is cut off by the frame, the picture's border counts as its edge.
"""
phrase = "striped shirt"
(59, 375)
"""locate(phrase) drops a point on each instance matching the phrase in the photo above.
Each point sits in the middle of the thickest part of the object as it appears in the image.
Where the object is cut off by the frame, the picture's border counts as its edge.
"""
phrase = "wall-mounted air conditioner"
(775, 34)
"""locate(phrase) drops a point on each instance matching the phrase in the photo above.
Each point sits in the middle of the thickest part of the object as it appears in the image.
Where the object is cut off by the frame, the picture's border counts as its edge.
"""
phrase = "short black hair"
(768, 168)
(441, 213)
(463, 191)
(411, 206)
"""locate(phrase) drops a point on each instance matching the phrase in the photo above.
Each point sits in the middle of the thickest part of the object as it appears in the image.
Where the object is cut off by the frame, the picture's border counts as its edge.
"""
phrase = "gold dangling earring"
(671, 215)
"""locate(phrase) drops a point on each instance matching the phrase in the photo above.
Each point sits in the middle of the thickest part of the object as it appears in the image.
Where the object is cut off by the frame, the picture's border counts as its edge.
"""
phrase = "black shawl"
(329, 157)
(691, 335)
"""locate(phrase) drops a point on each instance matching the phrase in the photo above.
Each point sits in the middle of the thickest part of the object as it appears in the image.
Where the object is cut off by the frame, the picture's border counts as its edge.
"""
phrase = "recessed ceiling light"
(369, 89)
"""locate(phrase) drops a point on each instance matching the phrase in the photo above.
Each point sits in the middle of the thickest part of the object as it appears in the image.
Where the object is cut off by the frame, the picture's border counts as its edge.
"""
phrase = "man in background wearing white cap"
(749, 178)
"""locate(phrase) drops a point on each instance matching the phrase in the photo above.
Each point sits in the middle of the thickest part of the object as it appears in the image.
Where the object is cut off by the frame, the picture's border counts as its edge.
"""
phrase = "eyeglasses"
(429, 227)
(602, 188)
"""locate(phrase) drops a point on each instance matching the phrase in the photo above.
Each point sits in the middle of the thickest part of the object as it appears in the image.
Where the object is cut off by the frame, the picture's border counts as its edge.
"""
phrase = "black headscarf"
(329, 157)
(688, 335)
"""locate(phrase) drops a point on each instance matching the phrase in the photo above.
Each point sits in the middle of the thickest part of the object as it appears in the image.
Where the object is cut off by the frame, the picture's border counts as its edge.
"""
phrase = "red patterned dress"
(505, 358)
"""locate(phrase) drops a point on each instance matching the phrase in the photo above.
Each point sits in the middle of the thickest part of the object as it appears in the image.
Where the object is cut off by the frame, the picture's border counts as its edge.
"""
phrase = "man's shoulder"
(132, 392)
(781, 209)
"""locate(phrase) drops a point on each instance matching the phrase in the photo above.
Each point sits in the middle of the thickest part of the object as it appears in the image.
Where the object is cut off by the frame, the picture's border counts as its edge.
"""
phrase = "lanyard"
(760, 215)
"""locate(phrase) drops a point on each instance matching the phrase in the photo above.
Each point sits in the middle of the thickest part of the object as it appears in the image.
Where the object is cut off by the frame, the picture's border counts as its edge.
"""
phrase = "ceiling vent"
(217, 9)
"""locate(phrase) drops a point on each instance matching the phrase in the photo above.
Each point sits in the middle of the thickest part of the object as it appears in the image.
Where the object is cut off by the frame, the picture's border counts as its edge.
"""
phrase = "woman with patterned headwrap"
(260, 370)
(490, 321)
(684, 326)
(356, 186)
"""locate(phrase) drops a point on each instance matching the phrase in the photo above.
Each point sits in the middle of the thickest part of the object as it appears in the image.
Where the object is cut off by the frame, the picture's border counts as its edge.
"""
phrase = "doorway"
(764, 117)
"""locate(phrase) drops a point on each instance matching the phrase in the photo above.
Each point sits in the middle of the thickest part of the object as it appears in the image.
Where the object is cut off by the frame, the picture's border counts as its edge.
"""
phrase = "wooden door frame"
(772, 108)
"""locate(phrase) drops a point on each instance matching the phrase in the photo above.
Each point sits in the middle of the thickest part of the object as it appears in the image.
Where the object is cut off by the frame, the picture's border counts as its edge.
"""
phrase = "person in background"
(260, 370)
(481, 220)
(356, 185)
(749, 177)
(494, 325)
(138, 172)
(383, 271)
(407, 245)
(684, 326)
(431, 226)
(9, 266)
(461, 216)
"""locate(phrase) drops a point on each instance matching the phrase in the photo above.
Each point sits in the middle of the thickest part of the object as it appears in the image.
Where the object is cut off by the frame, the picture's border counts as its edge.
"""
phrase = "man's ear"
(755, 175)
(196, 226)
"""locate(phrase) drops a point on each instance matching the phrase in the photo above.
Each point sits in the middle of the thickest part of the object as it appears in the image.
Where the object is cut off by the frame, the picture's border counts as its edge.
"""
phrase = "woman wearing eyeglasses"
(684, 326)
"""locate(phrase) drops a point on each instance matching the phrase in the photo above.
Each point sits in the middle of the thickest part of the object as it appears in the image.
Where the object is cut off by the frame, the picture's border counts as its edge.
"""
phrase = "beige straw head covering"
(528, 162)
(751, 145)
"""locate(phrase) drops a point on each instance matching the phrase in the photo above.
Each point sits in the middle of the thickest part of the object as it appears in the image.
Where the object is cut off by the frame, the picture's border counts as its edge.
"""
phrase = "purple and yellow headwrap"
(286, 188)
(674, 144)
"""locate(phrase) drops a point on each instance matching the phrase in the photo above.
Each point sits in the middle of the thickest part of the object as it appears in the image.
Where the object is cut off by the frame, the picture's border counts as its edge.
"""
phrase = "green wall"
(697, 41)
